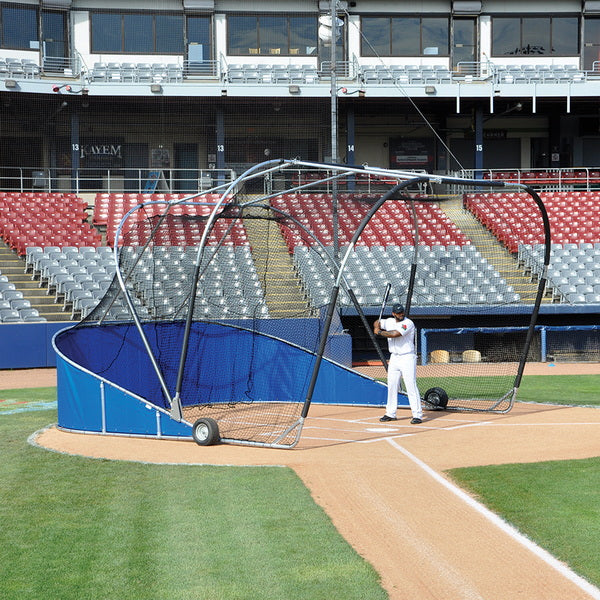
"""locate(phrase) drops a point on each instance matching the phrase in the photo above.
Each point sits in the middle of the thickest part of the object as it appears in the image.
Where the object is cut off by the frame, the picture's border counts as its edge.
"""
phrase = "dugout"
(576, 343)
(564, 332)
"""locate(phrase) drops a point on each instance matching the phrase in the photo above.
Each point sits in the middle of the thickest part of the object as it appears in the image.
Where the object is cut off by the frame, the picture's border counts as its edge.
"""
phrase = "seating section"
(390, 226)
(110, 208)
(446, 275)
(540, 73)
(405, 75)
(41, 219)
(228, 284)
(77, 276)
(515, 219)
(19, 68)
(437, 74)
(14, 308)
(573, 275)
(263, 73)
(127, 72)
(451, 271)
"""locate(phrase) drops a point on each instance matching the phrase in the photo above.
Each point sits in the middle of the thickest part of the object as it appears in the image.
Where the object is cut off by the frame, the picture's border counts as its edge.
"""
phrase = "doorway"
(186, 167)
(464, 45)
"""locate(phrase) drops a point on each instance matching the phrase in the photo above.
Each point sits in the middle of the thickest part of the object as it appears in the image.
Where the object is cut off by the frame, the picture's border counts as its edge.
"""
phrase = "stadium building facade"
(94, 94)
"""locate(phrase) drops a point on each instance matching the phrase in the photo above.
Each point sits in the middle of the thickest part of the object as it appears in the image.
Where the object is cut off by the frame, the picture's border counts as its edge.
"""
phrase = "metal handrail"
(47, 179)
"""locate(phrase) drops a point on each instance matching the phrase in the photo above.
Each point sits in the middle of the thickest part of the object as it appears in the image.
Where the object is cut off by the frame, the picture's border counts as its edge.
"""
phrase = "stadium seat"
(10, 316)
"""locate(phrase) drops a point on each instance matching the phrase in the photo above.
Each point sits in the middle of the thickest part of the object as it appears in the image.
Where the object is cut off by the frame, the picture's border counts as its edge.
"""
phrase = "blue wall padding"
(224, 364)
(28, 345)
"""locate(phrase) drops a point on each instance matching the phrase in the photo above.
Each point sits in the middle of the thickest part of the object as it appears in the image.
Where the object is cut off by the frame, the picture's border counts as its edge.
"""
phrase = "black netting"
(265, 262)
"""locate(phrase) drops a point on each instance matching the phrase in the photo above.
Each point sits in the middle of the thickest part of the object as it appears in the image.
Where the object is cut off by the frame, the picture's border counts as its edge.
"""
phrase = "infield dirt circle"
(383, 486)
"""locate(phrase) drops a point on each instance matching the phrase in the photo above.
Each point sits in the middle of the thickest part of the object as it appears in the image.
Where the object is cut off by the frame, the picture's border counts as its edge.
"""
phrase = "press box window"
(405, 36)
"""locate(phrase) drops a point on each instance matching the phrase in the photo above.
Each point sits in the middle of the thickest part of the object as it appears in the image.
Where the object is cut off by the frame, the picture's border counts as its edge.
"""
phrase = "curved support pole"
(336, 287)
(541, 285)
(413, 266)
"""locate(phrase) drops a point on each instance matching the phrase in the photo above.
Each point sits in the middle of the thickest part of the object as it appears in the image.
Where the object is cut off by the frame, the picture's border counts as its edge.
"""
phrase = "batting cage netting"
(237, 295)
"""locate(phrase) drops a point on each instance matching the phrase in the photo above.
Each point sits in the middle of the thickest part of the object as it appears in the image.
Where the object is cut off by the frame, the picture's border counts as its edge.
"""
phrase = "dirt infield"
(384, 488)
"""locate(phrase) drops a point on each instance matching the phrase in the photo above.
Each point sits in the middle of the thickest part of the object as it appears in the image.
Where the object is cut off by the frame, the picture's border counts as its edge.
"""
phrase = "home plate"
(380, 430)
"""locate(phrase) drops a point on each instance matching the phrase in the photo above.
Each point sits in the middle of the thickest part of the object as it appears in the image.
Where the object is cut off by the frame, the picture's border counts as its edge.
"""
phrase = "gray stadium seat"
(8, 315)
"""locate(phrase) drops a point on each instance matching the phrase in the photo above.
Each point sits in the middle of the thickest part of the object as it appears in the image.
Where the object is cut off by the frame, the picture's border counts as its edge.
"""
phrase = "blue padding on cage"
(125, 414)
(171, 428)
(243, 366)
(337, 385)
(116, 353)
(88, 404)
(79, 398)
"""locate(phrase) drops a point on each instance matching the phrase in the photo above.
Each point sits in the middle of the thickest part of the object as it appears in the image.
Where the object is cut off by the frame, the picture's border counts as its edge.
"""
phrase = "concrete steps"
(283, 292)
(492, 250)
(13, 267)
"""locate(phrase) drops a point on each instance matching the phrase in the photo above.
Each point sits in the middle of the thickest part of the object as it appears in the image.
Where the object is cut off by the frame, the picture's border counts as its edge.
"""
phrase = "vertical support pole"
(543, 345)
(334, 149)
(75, 150)
(220, 149)
(52, 182)
(350, 128)
(479, 142)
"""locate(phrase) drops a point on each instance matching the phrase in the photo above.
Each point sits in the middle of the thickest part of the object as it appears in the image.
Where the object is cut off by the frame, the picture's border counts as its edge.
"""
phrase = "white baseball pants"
(403, 366)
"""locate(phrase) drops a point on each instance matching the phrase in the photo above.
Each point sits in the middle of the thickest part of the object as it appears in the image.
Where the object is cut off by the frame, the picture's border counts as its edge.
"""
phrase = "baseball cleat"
(387, 418)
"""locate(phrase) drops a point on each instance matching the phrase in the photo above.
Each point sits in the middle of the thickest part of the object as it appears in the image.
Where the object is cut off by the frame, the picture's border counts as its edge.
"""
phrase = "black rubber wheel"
(436, 397)
(206, 432)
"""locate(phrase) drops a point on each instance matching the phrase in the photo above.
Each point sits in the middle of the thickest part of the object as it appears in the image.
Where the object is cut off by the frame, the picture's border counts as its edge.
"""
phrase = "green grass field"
(581, 390)
(553, 503)
(77, 528)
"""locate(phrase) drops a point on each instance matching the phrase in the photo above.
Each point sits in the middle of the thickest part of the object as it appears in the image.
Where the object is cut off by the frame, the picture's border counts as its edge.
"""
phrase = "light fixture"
(294, 89)
(430, 89)
(347, 92)
(10, 84)
(156, 88)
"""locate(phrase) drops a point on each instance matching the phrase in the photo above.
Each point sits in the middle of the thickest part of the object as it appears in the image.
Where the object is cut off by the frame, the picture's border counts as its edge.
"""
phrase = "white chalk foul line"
(580, 582)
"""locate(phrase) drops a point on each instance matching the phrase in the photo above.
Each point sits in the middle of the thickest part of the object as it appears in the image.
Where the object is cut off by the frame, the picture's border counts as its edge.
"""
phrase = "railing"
(343, 68)
(473, 70)
(304, 180)
(193, 69)
(28, 179)
(45, 179)
(62, 66)
(394, 74)
(563, 179)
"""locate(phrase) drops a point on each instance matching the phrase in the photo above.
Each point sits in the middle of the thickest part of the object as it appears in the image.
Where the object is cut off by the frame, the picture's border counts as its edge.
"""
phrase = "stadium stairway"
(283, 293)
(13, 266)
(501, 259)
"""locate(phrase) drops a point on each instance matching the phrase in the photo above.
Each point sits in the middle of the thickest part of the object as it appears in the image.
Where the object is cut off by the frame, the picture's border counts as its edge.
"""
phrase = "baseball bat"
(368, 329)
(386, 294)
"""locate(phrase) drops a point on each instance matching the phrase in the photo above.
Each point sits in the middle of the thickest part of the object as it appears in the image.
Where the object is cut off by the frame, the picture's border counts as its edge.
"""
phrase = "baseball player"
(400, 333)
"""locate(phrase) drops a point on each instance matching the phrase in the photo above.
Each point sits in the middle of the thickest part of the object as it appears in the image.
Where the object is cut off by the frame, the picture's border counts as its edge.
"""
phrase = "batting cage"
(227, 309)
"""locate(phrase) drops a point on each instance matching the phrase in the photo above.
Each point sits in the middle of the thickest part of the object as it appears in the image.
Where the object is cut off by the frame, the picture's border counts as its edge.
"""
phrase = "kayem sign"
(100, 154)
